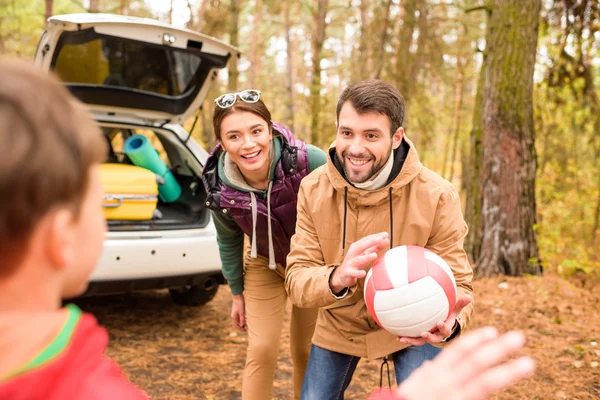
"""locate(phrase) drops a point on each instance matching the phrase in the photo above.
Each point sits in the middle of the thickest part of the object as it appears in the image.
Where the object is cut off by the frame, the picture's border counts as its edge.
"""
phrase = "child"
(51, 233)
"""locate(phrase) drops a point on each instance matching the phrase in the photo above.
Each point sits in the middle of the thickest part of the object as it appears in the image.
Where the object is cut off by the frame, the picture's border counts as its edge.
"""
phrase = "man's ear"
(397, 138)
(60, 238)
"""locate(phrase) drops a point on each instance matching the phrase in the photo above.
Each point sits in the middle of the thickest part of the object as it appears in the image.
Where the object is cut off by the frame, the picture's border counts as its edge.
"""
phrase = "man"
(51, 233)
(372, 194)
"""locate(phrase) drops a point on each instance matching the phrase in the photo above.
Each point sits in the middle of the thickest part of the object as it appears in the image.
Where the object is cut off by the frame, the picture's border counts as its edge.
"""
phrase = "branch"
(486, 7)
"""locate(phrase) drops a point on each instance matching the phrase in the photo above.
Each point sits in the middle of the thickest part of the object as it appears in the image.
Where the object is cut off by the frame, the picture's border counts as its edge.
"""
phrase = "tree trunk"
(318, 37)
(256, 50)
(458, 103)
(363, 69)
(201, 15)
(48, 9)
(234, 10)
(208, 137)
(289, 66)
(597, 213)
(191, 23)
(380, 50)
(94, 6)
(473, 174)
(403, 59)
(509, 242)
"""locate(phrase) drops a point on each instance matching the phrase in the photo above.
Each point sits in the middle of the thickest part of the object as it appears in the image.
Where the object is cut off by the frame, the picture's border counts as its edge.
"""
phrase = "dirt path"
(193, 353)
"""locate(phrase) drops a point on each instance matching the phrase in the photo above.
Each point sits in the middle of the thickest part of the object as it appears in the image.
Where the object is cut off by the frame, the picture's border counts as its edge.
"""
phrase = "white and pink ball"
(408, 290)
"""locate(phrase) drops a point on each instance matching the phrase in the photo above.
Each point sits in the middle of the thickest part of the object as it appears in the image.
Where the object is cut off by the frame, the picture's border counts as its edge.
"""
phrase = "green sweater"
(230, 236)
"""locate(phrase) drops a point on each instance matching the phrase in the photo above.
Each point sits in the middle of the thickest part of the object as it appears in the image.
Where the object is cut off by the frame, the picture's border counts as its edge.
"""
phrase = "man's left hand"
(443, 329)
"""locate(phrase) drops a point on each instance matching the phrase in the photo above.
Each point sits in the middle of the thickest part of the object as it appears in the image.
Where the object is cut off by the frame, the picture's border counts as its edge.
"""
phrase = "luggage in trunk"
(130, 192)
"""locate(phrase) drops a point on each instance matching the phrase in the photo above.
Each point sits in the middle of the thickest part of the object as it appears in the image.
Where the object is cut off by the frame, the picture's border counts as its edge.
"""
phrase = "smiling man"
(372, 194)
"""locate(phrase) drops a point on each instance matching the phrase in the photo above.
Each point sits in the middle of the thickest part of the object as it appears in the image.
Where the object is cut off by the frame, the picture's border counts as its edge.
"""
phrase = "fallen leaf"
(594, 364)
(233, 334)
(561, 395)
(503, 285)
(577, 364)
(593, 343)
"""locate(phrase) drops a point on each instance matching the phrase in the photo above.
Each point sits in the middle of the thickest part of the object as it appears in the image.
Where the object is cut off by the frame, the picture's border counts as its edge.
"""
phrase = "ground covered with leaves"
(193, 353)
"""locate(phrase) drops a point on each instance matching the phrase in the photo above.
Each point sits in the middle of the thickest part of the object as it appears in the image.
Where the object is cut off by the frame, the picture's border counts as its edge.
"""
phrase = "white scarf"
(380, 178)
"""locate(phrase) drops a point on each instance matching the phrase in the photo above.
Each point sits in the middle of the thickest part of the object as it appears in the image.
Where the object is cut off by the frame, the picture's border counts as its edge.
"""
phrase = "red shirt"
(80, 371)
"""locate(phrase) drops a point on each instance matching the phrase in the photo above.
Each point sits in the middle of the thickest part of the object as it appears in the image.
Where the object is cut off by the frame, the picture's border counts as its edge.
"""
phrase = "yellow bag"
(130, 192)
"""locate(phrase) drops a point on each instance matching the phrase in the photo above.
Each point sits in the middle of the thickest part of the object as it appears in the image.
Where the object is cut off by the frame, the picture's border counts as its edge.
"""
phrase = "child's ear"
(61, 238)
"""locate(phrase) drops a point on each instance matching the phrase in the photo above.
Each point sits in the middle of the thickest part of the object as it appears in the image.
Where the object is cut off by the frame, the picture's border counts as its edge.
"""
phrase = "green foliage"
(442, 42)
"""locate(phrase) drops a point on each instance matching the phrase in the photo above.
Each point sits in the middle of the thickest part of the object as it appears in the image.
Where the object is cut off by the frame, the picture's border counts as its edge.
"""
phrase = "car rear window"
(88, 58)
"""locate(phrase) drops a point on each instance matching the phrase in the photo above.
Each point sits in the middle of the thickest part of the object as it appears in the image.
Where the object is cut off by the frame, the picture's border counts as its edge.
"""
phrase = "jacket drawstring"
(391, 222)
(345, 211)
(253, 252)
(272, 264)
(386, 364)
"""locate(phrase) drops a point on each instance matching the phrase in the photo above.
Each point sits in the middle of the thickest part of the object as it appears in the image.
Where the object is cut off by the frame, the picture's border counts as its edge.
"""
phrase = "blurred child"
(51, 233)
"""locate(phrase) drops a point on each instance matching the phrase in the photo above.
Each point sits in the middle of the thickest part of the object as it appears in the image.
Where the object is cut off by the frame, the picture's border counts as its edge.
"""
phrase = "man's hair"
(258, 108)
(373, 95)
(48, 143)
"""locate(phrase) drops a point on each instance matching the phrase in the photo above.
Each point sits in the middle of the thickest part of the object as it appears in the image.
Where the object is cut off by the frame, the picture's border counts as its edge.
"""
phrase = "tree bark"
(473, 174)
(458, 104)
(509, 242)
(124, 7)
(190, 24)
(289, 66)
(171, 13)
(201, 15)
(384, 38)
(256, 50)
(234, 10)
(363, 69)
(94, 6)
(403, 60)
(48, 13)
(318, 37)
(208, 137)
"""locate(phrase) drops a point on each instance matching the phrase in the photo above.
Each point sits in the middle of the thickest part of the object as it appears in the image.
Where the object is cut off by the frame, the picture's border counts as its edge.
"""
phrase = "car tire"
(196, 295)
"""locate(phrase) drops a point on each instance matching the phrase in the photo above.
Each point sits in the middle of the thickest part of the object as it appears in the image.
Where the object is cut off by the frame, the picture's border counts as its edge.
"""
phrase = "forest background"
(301, 54)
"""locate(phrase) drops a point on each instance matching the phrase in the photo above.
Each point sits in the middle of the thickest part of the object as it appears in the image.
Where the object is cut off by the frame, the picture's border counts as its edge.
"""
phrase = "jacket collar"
(406, 168)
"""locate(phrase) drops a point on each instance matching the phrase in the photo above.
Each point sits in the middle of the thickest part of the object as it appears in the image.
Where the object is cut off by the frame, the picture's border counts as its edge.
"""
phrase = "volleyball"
(408, 290)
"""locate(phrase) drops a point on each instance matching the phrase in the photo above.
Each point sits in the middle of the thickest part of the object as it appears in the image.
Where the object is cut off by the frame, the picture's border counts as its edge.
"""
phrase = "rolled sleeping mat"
(143, 154)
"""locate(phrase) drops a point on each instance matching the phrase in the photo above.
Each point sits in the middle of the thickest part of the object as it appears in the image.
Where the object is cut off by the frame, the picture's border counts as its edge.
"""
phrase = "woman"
(252, 179)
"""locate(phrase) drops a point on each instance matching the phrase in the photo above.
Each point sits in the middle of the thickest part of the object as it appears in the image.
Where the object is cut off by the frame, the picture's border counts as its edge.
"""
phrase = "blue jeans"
(328, 373)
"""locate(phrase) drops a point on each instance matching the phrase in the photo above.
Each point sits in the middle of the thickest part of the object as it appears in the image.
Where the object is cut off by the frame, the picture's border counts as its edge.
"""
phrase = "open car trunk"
(132, 67)
(188, 211)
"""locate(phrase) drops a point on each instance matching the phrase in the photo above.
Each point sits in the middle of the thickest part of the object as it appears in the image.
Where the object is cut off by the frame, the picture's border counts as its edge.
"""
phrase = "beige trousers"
(265, 300)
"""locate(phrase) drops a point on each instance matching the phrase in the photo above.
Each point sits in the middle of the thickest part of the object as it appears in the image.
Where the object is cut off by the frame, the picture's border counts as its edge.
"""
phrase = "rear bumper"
(131, 256)
(129, 286)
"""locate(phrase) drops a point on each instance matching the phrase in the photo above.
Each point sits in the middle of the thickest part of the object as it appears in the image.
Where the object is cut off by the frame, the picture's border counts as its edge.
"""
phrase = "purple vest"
(289, 171)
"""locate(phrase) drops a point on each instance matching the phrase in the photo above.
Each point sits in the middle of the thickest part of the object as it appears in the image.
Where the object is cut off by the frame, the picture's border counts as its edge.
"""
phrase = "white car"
(141, 76)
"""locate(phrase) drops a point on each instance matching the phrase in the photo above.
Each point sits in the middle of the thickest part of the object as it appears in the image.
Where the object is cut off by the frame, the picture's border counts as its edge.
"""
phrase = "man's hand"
(359, 258)
(443, 329)
(238, 312)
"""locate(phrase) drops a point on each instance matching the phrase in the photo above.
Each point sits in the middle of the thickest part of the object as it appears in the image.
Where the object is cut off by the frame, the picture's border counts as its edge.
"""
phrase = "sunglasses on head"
(229, 99)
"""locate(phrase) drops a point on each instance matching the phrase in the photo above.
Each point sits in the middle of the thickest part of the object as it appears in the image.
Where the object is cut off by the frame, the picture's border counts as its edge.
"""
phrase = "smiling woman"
(252, 180)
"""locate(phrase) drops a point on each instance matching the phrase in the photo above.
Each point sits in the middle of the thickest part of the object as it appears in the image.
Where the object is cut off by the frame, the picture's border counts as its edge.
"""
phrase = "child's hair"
(48, 143)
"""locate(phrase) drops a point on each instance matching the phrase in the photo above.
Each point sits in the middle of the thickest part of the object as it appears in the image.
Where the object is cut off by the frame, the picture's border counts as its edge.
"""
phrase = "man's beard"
(376, 167)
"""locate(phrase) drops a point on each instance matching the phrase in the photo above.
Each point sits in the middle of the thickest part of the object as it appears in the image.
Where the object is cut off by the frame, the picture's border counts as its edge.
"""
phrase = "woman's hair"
(259, 108)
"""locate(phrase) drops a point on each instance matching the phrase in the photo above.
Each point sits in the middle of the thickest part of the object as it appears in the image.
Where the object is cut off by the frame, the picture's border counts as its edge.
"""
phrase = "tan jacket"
(426, 212)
